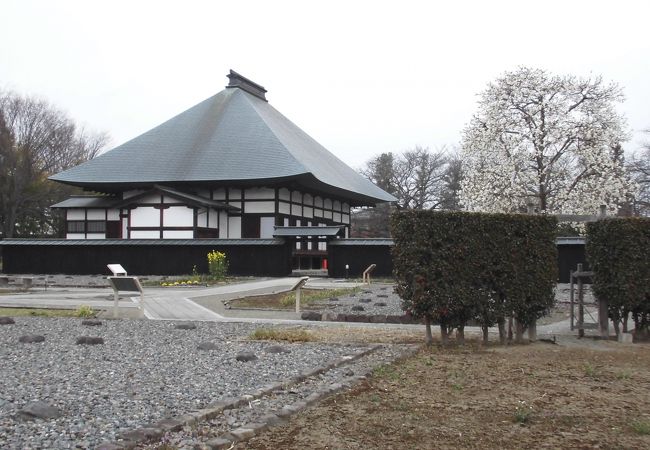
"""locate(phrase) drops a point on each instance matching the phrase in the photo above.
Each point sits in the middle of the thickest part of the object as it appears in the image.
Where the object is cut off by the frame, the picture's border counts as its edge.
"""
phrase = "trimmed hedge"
(453, 267)
(617, 250)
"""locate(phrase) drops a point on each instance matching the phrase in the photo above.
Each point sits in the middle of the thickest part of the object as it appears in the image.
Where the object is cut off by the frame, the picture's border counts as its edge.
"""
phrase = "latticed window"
(76, 226)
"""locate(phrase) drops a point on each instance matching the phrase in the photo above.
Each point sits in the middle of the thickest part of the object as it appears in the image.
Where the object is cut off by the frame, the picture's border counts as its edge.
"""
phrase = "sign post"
(125, 284)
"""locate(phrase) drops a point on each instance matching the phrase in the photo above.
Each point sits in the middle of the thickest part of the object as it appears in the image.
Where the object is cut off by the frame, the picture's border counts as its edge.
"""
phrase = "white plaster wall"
(308, 199)
(214, 218)
(318, 202)
(337, 205)
(75, 236)
(266, 227)
(284, 208)
(260, 207)
(178, 234)
(234, 227)
(125, 225)
(296, 210)
(318, 212)
(327, 203)
(223, 225)
(346, 218)
(337, 217)
(76, 214)
(307, 211)
(145, 217)
(234, 194)
(96, 214)
(346, 208)
(284, 194)
(113, 214)
(141, 234)
(178, 216)
(202, 218)
(235, 204)
(259, 193)
(327, 214)
(96, 236)
(296, 196)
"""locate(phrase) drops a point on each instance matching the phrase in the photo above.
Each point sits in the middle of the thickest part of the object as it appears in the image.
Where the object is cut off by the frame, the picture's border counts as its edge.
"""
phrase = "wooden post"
(298, 299)
(116, 300)
(571, 301)
(581, 306)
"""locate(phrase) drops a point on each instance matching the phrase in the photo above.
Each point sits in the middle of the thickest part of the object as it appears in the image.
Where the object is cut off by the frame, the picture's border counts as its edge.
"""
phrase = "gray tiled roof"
(232, 136)
(87, 201)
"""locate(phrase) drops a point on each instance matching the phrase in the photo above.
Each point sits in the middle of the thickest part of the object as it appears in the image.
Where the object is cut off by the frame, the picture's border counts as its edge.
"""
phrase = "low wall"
(258, 257)
(359, 254)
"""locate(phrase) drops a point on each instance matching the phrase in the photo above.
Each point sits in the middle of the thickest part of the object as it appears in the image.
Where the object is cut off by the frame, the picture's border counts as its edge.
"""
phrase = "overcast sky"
(361, 77)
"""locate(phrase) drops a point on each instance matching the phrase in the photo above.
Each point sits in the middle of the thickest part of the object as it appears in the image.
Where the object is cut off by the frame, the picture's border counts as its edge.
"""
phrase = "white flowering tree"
(548, 141)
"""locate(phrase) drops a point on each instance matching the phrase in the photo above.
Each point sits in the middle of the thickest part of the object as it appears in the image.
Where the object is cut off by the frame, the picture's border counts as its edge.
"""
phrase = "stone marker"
(310, 315)
(207, 346)
(185, 326)
(39, 410)
(382, 296)
(625, 338)
(246, 356)
(358, 308)
(329, 316)
(7, 321)
(277, 349)
(89, 340)
(91, 322)
(31, 338)
(380, 304)
(364, 300)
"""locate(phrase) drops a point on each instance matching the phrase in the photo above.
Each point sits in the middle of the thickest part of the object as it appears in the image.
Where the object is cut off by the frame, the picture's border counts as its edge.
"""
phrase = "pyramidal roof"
(234, 137)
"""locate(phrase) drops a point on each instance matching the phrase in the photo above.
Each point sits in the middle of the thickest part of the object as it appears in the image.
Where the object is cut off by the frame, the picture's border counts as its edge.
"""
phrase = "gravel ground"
(146, 371)
(256, 410)
(374, 299)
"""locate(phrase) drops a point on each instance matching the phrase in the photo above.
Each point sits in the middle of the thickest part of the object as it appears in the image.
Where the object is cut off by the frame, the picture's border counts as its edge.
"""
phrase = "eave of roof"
(87, 201)
(308, 231)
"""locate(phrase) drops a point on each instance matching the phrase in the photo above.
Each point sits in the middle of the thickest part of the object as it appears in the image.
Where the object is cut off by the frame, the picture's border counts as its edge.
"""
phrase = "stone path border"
(139, 436)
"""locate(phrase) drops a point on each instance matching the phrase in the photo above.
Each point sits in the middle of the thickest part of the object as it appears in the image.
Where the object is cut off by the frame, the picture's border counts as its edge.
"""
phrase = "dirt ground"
(579, 394)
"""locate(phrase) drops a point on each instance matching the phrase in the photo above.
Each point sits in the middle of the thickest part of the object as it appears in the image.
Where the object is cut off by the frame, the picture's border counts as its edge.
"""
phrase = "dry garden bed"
(583, 395)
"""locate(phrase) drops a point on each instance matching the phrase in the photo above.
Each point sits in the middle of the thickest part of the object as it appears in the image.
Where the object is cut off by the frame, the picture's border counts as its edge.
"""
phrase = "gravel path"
(374, 299)
(144, 372)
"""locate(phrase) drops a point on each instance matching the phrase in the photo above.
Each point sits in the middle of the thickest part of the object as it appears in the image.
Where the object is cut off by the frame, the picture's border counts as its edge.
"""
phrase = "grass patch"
(312, 295)
(37, 312)
(641, 427)
(282, 334)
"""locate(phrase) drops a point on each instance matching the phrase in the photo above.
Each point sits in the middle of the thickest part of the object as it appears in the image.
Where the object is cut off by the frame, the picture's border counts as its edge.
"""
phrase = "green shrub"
(84, 311)
(617, 251)
(217, 265)
(452, 267)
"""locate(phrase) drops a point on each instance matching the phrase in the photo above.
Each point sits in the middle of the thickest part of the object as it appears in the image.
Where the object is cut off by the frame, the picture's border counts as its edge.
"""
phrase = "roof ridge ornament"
(239, 81)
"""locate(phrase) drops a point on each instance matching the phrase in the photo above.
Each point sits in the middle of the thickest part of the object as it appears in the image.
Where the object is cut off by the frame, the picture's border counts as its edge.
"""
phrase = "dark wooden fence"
(259, 257)
(358, 254)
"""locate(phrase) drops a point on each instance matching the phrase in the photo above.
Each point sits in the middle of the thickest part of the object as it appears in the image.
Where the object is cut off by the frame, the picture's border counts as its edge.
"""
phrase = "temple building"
(230, 167)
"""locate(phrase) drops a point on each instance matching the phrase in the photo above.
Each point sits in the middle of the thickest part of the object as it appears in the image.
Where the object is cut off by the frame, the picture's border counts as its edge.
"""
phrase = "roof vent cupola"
(241, 82)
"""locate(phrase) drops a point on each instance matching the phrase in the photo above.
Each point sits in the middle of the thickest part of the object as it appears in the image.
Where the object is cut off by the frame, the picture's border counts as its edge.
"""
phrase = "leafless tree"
(36, 141)
(639, 167)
